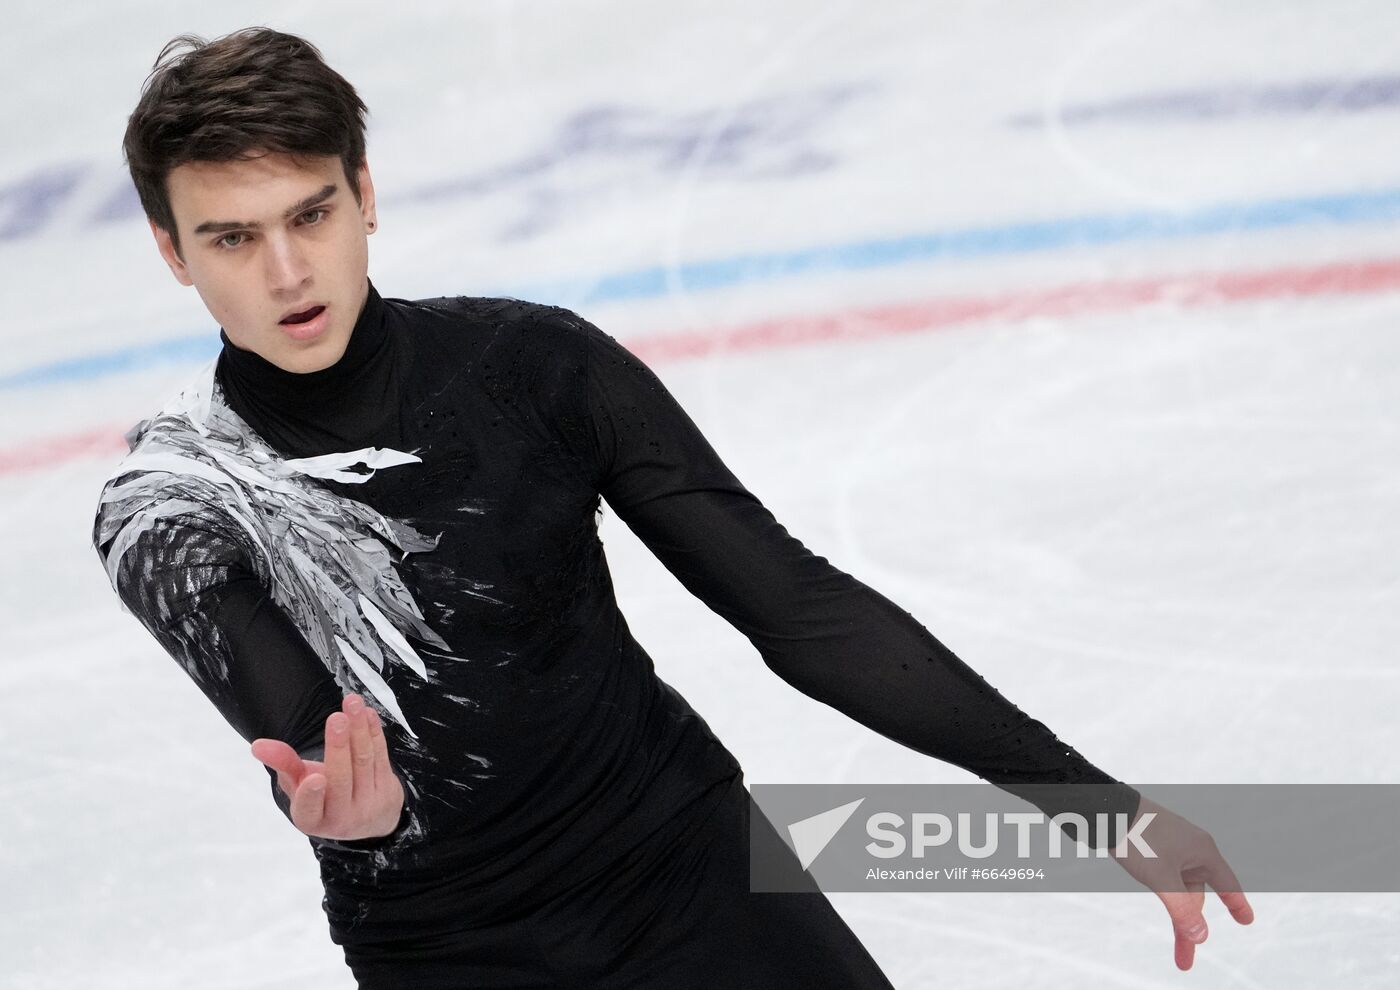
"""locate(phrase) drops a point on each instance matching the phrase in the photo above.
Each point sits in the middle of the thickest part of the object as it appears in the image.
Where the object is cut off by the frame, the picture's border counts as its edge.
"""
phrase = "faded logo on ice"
(594, 157)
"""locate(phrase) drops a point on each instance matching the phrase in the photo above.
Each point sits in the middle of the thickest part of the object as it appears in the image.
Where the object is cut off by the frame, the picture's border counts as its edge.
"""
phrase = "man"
(368, 532)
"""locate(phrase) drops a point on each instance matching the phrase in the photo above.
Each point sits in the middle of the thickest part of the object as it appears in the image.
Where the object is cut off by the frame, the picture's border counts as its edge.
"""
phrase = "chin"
(316, 355)
(316, 359)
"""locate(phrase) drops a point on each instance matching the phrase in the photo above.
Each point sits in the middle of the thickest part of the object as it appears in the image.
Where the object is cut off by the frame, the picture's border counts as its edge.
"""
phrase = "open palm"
(354, 793)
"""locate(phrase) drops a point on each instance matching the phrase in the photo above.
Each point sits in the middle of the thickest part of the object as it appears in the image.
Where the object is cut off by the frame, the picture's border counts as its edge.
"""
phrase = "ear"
(166, 245)
(366, 187)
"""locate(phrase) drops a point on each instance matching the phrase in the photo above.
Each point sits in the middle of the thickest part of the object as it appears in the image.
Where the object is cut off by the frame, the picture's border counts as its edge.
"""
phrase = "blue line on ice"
(747, 269)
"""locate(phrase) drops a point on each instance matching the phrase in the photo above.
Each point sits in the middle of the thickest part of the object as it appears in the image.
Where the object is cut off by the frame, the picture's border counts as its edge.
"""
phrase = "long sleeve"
(818, 628)
(193, 585)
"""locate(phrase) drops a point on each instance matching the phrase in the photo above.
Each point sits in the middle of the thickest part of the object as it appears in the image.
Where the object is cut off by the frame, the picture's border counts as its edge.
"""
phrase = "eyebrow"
(224, 226)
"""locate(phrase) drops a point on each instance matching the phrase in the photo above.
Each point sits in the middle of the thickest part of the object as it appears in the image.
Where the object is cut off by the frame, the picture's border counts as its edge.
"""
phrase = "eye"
(312, 217)
(231, 240)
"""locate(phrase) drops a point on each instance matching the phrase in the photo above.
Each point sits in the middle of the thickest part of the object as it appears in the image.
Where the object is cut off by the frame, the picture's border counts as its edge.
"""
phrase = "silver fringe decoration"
(324, 557)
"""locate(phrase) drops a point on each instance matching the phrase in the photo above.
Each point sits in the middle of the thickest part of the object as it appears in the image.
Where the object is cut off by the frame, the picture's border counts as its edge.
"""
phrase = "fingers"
(1179, 880)
(361, 749)
(332, 795)
(278, 755)
(282, 758)
(1185, 952)
(339, 772)
(1239, 907)
(309, 804)
(1224, 882)
(383, 769)
(1188, 921)
(1185, 910)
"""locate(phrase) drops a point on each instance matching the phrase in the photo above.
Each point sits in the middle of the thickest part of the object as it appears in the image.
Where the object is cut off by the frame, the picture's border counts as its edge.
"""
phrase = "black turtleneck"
(331, 409)
(567, 811)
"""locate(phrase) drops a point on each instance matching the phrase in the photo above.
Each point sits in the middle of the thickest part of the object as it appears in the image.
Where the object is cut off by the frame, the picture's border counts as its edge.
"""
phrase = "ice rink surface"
(1071, 327)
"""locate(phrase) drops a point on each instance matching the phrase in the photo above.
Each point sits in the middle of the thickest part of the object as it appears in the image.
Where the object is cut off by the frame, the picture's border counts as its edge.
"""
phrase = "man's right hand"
(355, 793)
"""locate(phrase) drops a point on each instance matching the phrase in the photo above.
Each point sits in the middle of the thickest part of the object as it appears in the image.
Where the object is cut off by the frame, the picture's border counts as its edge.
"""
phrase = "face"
(275, 246)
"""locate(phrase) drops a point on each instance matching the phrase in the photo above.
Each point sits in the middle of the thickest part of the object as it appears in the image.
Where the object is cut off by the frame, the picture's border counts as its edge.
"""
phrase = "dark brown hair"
(253, 91)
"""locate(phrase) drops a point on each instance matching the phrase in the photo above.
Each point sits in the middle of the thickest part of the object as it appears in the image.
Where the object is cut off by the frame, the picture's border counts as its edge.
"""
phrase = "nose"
(287, 266)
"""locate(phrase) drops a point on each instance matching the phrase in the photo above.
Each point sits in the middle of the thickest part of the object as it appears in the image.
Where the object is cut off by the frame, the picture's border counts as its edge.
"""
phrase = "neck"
(304, 411)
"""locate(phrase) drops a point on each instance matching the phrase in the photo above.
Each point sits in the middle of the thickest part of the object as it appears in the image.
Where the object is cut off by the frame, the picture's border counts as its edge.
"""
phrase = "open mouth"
(303, 317)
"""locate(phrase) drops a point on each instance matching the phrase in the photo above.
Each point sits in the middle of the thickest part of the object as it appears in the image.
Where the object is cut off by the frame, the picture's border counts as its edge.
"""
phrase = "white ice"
(1167, 531)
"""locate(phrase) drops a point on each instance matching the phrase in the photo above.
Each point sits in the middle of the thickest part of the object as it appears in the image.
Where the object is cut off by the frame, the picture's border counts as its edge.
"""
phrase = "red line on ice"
(49, 451)
(873, 322)
(1070, 300)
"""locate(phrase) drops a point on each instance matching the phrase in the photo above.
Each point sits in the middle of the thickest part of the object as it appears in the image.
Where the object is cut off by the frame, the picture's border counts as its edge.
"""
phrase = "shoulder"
(509, 338)
(461, 310)
(150, 523)
(197, 523)
(498, 318)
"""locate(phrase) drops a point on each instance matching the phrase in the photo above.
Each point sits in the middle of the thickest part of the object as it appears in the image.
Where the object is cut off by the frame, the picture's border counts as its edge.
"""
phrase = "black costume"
(570, 820)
